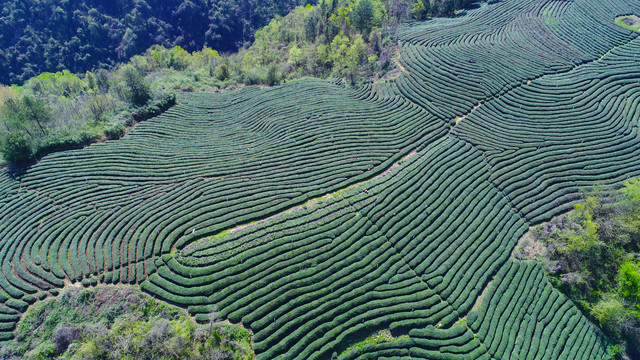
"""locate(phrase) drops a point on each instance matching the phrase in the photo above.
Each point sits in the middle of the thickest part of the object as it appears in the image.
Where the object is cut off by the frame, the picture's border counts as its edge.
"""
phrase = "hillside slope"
(90, 34)
(317, 214)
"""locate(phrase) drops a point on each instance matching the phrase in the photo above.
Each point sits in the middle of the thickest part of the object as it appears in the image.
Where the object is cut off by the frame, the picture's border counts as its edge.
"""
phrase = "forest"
(91, 34)
(592, 255)
(121, 323)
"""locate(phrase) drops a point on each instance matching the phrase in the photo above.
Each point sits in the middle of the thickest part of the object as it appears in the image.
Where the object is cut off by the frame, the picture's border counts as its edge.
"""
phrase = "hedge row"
(548, 140)
(222, 202)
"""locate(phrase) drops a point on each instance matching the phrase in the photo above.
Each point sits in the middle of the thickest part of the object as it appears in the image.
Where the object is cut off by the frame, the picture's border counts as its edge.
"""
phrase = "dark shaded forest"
(52, 35)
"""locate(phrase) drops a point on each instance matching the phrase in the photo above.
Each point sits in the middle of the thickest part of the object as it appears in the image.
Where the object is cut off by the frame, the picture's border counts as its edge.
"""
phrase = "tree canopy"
(91, 33)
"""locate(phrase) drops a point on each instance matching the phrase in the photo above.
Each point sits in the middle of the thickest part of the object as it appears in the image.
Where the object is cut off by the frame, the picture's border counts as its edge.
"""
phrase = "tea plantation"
(316, 214)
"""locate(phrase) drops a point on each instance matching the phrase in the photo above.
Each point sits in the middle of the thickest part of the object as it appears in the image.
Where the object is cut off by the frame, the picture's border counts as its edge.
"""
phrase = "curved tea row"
(317, 214)
(521, 317)
(412, 248)
(455, 64)
(104, 213)
(547, 140)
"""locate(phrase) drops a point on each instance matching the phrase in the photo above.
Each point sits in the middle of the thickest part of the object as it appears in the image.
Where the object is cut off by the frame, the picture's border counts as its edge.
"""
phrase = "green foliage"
(137, 90)
(101, 103)
(121, 323)
(223, 72)
(98, 105)
(61, 83)
(614, 351)
(90, 34)
(383, 336)
(583, 240)
(273, 77)
(607, 311)
(362, 16)
(135, 205)
(28, 114)
(594, 258)
(629, 274)
(24, 121)
(296, 56)
(419, 11)
(46, 350)
(7, 93)
(342, 38)
(176, 58)
(334, 39)
(17, 147)
(631, 22)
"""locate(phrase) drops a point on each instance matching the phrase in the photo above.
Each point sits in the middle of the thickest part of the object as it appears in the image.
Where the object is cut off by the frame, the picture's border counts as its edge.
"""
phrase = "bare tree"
(214, 317)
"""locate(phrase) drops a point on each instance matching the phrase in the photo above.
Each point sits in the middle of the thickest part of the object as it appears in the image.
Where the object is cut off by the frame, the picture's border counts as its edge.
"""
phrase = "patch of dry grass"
(629, 21)
(6, 93)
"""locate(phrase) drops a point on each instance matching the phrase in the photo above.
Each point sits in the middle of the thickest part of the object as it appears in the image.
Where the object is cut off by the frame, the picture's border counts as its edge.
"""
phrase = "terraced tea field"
(317, 214)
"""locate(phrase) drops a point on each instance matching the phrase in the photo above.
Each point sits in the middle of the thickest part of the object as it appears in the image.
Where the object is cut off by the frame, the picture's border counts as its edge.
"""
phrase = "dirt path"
(308, 204)
(461, 118)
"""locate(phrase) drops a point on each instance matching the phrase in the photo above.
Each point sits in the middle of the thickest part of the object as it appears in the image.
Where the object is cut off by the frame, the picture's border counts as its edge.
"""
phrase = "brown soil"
(632, 21)
(528, 247)
(394, 166)
(476, 305)
(460, 118)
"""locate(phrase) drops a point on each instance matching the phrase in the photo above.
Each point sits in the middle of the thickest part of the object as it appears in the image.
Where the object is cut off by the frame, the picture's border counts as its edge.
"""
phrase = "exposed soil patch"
(398, 70)
(629, 21)
(476, 305)
(529, 247)
(401, 67)
(460, 118)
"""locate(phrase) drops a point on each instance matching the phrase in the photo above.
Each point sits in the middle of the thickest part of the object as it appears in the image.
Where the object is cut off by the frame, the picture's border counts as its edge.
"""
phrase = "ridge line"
(503, 92)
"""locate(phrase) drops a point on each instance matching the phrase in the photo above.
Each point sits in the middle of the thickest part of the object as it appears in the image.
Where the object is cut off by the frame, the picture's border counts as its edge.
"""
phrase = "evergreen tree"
(137, 90)
(363, 16)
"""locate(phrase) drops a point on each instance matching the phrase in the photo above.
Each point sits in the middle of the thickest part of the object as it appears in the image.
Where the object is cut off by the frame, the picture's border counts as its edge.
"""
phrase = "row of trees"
(336, 38)
(56, 111)
(91, 34)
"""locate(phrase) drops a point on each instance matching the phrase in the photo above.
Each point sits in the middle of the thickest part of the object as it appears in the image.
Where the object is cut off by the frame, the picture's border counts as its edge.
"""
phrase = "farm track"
(229, 200)
(312, 203)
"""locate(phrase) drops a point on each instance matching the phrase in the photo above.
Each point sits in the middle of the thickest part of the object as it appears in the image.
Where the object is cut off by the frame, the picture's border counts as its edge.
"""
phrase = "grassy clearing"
(381, 336)
(631, 22)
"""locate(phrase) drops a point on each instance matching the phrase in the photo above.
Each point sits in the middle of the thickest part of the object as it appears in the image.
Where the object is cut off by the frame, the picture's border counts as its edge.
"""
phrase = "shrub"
(223, 72)
(630, 282)
(610, 313)
(64, 336)
(17, 148)
(114, 132)
(273, 75)
(137, 90)
(45, 350)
